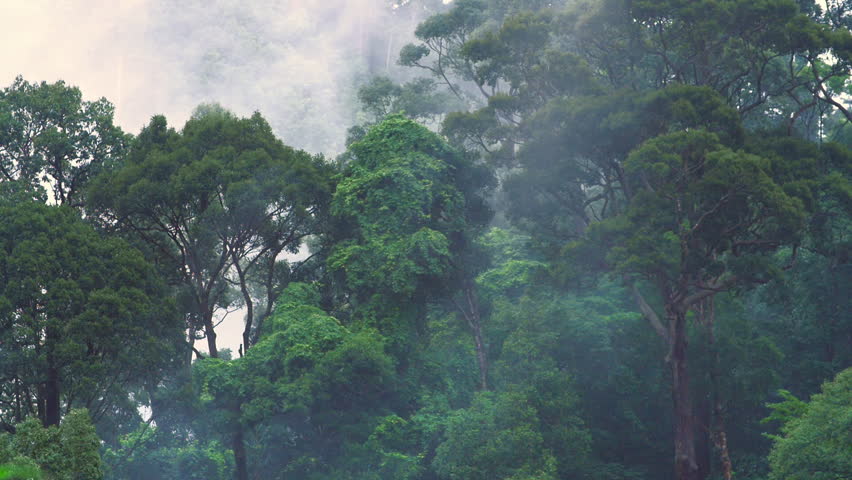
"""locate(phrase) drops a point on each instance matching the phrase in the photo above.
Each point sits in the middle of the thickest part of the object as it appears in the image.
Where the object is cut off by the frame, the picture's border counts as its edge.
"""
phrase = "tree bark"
(52, 410)
(470, 311)
(249, 319)
(717, 429)
(239, 447)
(481, 357)
(190, 343)
(686, 466)
(40, 402)
(210, 333)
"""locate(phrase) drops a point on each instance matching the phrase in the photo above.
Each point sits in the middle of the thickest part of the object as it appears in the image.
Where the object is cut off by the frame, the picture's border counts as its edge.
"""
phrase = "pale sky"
(101, 46)
(296, 61)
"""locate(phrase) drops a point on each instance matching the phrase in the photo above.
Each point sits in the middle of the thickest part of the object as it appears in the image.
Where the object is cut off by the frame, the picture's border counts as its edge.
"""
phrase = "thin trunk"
(249, 321)
(481, 358)
(239, 446)
(269, 285)
(717, 430)
(470, 311)
(19, 415)
(270, 300)
(40, 402)
(238, 441)
(52, 412)
(388, 55)
(721, 441)
(686, 467)
(190, 341)
(210, 333)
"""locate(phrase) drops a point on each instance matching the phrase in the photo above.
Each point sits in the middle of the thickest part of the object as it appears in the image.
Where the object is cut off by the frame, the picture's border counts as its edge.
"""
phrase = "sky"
(295, 61)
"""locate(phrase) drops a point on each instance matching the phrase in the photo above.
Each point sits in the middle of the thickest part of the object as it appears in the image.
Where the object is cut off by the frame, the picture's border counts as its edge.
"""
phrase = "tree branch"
(650, 314)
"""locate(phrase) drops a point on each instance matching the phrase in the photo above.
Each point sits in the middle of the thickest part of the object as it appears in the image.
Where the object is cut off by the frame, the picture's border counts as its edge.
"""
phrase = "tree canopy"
(592, 239)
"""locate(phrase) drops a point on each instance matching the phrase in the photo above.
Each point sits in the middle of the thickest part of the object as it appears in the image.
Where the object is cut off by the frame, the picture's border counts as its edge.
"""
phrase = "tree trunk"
(717, 429)
(19, 414)
(239, 447)
(40, 402)
(249, 319)
(210, 333)
(52, 412)
(237, 441)
(470, 311)
(190, 343)
(686, 467)
(481, 357)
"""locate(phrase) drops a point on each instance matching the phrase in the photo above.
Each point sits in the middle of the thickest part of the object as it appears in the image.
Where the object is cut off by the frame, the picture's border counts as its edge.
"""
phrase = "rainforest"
(427, 240)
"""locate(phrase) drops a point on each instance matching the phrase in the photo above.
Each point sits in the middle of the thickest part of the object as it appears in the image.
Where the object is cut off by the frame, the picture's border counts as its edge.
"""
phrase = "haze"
(297, 61)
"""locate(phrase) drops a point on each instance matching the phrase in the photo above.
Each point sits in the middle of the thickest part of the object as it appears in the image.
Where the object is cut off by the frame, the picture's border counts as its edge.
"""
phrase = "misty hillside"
(426, 240)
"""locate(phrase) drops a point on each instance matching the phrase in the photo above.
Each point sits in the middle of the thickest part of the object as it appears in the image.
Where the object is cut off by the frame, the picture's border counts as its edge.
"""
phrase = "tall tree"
(218, 202)
(84, 317)
(409, 207)
(543, 73)
(321, 382)
(50, 136)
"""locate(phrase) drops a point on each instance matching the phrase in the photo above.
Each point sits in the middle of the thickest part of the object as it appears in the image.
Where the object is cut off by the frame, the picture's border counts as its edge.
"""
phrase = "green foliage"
(688, 149)
(20, 469)
(498, 437)
(224, 194)
(786, 411)
(89, 308)
(149, 452)
(317, 380)
(67, 452)
(816, 441)
(406, 206)
(679, 222)
(418, 99)
(50, 137)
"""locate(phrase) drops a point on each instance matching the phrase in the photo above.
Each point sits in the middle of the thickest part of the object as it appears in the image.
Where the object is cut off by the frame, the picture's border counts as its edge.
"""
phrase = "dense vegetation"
(603, 239)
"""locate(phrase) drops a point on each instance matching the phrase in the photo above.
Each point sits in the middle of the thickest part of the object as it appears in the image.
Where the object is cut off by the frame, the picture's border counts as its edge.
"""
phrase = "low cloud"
(296, 61)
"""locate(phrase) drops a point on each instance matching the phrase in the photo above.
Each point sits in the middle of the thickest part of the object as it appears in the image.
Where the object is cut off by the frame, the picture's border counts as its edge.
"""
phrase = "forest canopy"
(579, 239)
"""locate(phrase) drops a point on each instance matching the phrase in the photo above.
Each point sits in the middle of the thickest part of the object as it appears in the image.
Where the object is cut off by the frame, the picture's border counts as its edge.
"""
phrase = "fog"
(572, 239)
(297, 61)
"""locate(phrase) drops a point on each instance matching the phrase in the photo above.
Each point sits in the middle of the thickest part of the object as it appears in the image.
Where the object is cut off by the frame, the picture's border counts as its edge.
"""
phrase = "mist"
(298, 62)
(518, 239)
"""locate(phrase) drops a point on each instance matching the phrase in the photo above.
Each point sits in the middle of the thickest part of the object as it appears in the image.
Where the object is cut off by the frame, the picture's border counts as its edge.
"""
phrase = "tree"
(49, 135)
(417, 99)
(154, 452)
(63, 452)
(498, 437)
(84, 317)
(324, 381)
(409, 208)
(702, 219)
(697, 74)
(217, 203)
(815, 436)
